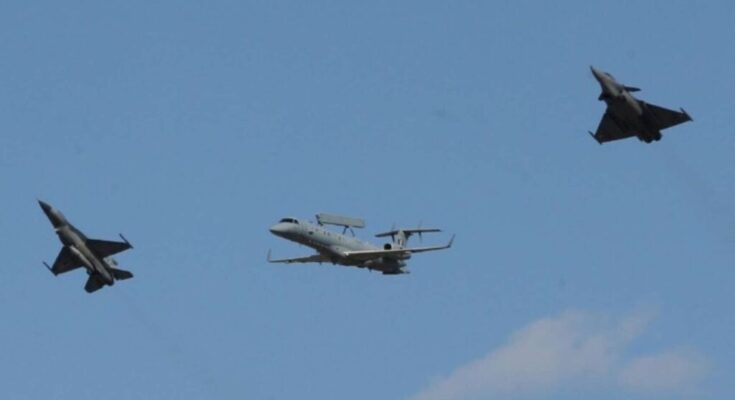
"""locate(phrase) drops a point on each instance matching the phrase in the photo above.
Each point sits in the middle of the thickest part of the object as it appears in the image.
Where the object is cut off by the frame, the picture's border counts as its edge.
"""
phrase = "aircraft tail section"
(94, 283)
(400, 236)
(400, 239)
(121, 274)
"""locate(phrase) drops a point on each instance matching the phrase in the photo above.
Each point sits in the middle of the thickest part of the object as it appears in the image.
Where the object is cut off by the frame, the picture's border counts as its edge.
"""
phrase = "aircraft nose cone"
(45, 207)
(56, 218)
(278, 229)
(596, 72)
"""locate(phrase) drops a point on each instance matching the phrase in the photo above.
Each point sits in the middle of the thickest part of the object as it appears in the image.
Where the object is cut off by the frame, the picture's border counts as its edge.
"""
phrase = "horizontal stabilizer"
(408, 232)
(121, 274)
(94, 283)
(364, 255)
(348, 222)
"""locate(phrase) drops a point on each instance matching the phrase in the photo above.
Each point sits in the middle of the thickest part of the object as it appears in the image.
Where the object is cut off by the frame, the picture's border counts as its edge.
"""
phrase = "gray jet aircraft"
(342, 249)
(627, 116)
(79, 251)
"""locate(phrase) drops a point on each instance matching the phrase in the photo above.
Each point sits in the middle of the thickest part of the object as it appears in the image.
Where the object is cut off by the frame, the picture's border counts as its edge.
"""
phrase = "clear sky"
(191, 127)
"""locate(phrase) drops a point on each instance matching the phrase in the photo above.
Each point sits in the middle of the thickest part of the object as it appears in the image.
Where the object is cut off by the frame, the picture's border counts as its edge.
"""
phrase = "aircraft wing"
(315, 258)
(610, 130)
(665, 118)
(365, 255)
(65, 262)
(106, 248)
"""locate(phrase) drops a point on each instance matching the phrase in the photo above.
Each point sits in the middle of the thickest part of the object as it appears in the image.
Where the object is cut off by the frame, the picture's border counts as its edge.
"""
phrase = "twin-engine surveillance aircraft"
(79, 251)
(342, 249)
(627, 116)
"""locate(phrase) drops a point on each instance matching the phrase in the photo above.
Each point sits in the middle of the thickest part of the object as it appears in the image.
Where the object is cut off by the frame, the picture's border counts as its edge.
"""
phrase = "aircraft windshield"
(290, 220)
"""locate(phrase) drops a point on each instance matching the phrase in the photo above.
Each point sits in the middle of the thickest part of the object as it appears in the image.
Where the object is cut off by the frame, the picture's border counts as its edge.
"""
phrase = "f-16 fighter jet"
(343, 249)
(627, 116)
(79, 251)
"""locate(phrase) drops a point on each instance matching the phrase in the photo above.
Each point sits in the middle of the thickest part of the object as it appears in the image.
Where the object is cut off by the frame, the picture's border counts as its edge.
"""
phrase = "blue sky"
(193, 126)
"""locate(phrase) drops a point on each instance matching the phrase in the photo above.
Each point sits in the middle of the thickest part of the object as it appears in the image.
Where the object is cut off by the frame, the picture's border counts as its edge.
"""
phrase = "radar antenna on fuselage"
(345, 222)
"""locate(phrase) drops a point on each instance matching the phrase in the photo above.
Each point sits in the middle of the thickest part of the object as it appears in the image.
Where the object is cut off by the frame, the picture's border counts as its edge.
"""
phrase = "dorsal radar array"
(338, 220)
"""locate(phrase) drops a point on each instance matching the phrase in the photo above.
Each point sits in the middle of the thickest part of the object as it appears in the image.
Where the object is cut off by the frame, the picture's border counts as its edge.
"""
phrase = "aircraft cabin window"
(290, 220)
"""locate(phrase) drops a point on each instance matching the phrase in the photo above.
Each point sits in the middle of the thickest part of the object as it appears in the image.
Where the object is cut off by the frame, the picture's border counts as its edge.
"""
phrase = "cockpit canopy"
(289, 220)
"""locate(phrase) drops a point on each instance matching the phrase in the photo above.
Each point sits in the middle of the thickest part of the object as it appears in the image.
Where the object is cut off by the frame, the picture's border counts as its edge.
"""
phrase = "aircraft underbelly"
(626, 117)
(384, 264)
(92, 263)
(82, 257)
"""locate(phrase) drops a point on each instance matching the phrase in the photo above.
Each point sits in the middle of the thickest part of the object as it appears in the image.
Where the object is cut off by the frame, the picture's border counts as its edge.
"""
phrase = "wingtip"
(125, 240)
(686, 114)
(594, 137)
(49, 268)
(451, 241)
(269, 256)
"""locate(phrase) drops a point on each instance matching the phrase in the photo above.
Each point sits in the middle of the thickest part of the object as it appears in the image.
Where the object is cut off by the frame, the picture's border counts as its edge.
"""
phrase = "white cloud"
(663, 372)
(571, 350)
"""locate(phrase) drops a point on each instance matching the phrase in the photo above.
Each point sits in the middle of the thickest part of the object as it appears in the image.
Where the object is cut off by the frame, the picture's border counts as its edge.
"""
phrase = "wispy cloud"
(664, 372)
(572, 349)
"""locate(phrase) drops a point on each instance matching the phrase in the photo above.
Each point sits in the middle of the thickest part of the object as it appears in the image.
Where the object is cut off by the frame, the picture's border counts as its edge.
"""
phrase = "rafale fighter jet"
(79, 251)
(342, 249)
(627, 116)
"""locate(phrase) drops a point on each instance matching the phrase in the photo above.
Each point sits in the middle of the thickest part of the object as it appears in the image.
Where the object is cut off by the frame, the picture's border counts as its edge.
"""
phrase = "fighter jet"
(627, 116)
(79, 251)
(346, 250)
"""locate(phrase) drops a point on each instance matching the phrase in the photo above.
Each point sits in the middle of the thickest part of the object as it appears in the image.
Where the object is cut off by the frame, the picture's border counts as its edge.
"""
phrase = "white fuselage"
(333, 245)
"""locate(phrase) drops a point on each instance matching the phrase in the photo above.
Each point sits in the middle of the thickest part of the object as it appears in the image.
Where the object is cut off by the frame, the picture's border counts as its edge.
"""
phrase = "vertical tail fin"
(400, 239)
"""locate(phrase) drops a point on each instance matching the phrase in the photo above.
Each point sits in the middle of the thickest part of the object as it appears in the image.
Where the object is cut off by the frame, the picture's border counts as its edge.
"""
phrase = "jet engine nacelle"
(388, 246)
